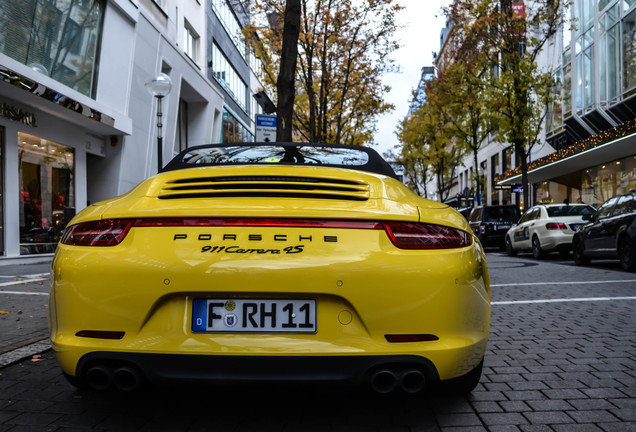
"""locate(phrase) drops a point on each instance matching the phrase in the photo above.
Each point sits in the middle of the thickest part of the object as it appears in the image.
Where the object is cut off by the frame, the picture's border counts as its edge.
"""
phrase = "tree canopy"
(489, 78)
(343, 50)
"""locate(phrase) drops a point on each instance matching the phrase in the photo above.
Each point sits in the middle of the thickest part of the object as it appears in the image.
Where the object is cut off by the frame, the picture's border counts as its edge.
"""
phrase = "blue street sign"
(265, 120)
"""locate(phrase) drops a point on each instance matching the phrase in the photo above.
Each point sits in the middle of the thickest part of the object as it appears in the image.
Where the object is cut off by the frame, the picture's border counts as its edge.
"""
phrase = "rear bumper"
(161, 369)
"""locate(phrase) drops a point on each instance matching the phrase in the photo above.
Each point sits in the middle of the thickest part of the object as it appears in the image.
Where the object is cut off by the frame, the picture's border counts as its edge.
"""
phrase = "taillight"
(556, 226)
(108, 232)
(404, 235)
(408, 235)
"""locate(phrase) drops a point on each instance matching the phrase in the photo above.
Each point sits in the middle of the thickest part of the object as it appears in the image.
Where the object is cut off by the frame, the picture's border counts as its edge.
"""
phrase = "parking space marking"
(24, 293)
(562, 300)
(23, 281)
(562, 283)
(26, 276)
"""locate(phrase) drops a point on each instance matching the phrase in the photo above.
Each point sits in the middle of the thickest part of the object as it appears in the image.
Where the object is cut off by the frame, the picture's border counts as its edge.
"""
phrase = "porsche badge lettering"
(256, 237)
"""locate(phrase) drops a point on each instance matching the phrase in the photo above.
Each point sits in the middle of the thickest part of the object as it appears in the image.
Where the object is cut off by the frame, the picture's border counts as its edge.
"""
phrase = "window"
(191, 42)
(626, 204)
(554, 117)
(46, 192)
(57, 38)
(182, 125)
(506, 159)
(609, 55)
(228, 77)
(234, 130)
(629, 51)
(231, 24)
(605, 210)
(584, 70)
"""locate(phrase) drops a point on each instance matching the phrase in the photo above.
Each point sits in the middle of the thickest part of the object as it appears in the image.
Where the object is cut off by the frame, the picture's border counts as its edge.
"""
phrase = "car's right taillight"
(410, 235)
(108, 232)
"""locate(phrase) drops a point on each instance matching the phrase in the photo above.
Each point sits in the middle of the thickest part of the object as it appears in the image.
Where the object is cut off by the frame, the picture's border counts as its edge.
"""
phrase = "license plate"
(502, 227)
(254, 315)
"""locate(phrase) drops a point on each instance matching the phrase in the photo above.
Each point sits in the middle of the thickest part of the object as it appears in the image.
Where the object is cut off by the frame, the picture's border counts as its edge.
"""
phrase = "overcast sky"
(419, 38)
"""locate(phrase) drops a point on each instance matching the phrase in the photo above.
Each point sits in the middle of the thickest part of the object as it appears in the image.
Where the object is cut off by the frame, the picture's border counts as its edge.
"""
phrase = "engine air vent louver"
(265, 186)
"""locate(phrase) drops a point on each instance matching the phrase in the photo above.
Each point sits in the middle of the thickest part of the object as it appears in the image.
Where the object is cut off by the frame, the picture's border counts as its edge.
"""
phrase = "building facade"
(588, 150)
(77, 122)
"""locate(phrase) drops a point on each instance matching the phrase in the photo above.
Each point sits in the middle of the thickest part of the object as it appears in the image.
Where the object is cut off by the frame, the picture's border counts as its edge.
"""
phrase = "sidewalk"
(24, 288)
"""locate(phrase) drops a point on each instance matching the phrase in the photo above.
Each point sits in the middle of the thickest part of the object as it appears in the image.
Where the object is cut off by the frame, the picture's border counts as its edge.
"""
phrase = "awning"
(608, 152)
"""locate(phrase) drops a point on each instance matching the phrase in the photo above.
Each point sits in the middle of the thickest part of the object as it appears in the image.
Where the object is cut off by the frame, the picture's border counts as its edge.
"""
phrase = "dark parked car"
(490, 223)
(610, 233)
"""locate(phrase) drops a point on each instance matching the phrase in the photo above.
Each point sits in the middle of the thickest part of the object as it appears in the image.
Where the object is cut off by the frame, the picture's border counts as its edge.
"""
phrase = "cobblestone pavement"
(561, 357)
(23, 306)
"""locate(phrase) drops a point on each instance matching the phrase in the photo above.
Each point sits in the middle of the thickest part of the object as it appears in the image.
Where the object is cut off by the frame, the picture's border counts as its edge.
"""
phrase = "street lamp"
(159, 87)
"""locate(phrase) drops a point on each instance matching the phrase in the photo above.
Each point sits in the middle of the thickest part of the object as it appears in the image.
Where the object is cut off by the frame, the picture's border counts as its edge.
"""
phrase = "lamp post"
(159, 87)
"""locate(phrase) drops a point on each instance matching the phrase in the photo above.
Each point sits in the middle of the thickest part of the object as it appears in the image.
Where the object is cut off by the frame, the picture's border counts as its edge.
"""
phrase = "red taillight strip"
(404, 235)
(260, 222)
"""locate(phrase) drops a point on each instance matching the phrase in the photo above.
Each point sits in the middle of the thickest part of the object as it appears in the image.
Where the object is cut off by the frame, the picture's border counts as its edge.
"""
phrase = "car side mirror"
(587, 217)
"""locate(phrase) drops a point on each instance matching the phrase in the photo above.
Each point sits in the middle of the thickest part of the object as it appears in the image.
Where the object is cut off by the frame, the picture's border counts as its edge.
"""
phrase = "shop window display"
(46, 192)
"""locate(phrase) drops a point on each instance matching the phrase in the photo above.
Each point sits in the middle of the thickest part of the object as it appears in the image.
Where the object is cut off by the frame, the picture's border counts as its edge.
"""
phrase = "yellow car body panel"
(364, 286)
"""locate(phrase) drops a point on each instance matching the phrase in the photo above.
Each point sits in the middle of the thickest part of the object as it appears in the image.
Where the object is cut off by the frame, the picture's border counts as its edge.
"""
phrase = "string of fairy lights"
(620, 131)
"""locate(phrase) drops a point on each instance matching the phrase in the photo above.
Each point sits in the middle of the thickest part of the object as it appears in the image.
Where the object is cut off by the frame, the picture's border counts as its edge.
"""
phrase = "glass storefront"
(47, 199)
(234, 130)
(556, 193)
(600, 183)
(58, 38)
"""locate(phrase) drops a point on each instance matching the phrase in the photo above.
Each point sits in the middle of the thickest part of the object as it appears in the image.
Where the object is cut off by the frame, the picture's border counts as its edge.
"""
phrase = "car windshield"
(272, 154)
(501, 214)
(569, 210)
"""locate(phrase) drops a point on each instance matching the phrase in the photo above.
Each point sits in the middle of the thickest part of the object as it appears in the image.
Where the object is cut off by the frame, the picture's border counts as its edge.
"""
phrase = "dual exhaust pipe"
(386, 380)
(103, 376)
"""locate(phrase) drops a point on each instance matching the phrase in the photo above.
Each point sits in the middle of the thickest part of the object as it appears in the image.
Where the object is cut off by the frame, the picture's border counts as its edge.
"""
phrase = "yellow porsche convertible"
(271, 262)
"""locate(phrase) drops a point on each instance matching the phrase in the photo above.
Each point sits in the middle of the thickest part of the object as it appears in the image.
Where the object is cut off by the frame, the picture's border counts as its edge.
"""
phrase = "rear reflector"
(404, 235)
(100, 334)
(410, 338)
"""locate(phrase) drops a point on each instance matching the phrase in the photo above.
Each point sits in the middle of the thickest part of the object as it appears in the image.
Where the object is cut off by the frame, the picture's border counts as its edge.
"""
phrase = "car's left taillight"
(108, 232)
(556, 226)
(411, 235)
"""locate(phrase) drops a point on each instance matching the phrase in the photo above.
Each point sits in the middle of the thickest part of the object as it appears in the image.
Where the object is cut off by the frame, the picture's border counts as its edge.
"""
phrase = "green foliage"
(488, 83)
(427, 148)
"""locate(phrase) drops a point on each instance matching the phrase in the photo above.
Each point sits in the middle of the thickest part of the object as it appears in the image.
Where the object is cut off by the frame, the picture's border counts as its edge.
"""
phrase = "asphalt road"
(561, 357)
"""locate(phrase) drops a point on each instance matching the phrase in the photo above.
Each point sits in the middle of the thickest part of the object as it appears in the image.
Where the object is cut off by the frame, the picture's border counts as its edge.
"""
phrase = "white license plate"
(502, 227)
(254, 315)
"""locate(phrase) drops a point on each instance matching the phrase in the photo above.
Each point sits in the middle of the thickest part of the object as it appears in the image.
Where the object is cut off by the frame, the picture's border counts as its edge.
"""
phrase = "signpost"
(265, 128)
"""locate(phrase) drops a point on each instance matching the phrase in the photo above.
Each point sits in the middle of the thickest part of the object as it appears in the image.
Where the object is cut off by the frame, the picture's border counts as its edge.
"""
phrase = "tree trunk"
(286, 84)
(477, 178)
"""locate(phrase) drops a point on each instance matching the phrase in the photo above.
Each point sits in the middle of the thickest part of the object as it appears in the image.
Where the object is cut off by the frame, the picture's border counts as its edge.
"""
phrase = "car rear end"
(259, 274)
(557, 230)
(496, 221)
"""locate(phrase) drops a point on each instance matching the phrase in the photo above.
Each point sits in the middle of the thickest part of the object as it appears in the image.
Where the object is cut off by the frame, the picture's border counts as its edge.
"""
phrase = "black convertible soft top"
(267, 153)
